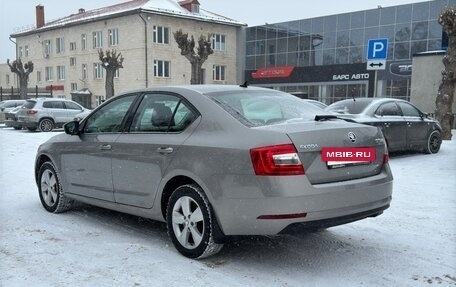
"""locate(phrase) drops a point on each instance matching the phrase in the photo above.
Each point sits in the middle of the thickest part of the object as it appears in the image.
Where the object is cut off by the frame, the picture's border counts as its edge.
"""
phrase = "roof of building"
(162, 7)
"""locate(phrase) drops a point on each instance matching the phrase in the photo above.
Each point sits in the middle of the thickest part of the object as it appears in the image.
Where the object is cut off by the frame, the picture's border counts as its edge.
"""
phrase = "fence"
(11, 93)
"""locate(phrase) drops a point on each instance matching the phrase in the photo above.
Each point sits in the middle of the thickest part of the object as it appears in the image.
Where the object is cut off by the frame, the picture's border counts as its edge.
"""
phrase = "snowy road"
(412, 244)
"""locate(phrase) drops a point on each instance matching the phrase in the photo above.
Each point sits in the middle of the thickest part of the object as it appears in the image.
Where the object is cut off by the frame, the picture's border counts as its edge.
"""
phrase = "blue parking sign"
(377, 49)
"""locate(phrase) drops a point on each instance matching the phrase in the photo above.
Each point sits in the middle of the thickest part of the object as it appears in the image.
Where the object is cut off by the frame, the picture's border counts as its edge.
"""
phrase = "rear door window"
(162, 113)
(388, 109)
(53, 105)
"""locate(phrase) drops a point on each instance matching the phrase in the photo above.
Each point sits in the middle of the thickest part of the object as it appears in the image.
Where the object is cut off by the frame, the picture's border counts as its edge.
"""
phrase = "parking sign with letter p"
(377, 49)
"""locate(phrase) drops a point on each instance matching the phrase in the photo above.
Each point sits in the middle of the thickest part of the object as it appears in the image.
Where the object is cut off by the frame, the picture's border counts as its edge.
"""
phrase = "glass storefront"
(342, 40)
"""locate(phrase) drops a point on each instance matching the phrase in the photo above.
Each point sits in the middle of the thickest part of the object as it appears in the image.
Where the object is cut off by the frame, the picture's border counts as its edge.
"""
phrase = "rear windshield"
(29, 104)
(259, 108)
(348, 106)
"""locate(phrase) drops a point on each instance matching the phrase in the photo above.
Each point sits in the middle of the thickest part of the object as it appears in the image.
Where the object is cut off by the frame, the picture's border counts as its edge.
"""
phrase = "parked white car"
(46, 114)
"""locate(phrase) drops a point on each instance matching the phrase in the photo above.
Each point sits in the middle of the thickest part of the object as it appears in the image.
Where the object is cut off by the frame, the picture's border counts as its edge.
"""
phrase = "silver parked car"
(215, 161)
(11, 119)
(47, 113)
(9, 105)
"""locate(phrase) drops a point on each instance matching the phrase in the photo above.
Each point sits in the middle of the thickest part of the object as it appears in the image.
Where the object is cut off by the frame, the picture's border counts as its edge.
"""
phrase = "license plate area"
(338, 164)
(340, 157)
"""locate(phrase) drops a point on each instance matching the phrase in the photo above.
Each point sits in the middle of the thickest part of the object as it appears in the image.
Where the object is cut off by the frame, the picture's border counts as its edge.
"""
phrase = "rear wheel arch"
(171, 186)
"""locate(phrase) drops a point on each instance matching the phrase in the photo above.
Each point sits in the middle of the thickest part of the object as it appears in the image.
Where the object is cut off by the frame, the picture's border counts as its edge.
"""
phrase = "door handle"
(165, 150)
(106, 147)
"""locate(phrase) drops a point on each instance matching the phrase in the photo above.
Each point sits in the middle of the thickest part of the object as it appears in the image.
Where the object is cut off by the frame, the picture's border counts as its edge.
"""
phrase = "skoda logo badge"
(352, 137)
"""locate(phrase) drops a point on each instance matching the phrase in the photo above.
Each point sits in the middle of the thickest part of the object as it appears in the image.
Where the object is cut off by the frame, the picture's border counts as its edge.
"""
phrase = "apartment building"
(65, 51)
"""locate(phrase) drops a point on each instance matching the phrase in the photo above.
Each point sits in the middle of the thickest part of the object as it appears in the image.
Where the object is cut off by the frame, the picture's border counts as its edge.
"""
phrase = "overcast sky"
(19, 13)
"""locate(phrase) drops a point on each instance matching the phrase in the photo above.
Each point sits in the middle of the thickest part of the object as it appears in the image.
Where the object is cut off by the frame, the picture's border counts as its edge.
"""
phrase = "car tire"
(50, 190)
(18, 128)
(191, 236)
(46, 125)
(433, 143)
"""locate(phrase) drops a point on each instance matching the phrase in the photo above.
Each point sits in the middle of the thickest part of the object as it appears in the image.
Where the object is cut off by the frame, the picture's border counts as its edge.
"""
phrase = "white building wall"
(426, 78)
(131, 30)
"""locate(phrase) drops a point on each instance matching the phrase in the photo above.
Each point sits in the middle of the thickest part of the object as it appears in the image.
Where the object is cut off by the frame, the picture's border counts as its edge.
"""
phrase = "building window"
(161, 68)
(61, 73)
(113, 37)
(84, 71)
(26, 51)
(38, 76)
(7, 79)
(84, 41)
(72, 61)
(97, 39)
(161, 35)
(20, 52)
(49, 74)
(59, 45)
(218, 73)
(116, 74)
(72, 46)
(99, 100)
(47, 48)
(97, 71)
(218, 42)
(74, 86)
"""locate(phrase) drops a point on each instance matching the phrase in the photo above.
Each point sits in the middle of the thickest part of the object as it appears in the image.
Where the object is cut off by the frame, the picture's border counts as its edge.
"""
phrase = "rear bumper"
(26, 124)
(325, 223)
(324, 205)
(12, 123)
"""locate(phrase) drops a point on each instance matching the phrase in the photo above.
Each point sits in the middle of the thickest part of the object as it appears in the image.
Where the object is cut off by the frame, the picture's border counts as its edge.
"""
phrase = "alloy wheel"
(188, 222)
(49, 188)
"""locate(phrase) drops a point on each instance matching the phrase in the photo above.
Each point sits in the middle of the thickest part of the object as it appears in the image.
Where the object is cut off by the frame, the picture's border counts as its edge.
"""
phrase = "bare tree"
(445, 96)
(22, 71)
(111, 62)
(196, 58)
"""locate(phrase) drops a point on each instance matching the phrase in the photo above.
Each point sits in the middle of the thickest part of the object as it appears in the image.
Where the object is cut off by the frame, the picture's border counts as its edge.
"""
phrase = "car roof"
(371, 100)
(50, 99)
(202, 89)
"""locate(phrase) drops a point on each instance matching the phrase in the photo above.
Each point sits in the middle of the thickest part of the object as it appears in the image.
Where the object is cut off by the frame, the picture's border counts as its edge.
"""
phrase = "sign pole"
(375, 84)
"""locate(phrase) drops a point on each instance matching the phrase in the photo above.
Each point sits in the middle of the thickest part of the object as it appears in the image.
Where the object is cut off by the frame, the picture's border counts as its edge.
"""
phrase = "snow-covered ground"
(412, 244)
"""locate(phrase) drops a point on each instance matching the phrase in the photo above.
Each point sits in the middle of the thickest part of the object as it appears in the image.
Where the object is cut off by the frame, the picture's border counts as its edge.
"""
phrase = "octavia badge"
(352, 137)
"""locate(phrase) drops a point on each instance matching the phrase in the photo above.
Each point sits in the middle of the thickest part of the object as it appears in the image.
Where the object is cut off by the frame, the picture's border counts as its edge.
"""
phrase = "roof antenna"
(245, 85)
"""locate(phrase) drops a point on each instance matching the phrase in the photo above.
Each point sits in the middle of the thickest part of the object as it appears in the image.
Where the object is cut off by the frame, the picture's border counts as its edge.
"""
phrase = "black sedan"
(404, 126)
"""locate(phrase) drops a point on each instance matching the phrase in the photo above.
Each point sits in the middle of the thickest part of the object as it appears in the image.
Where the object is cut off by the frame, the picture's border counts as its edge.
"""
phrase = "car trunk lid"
(309, 138)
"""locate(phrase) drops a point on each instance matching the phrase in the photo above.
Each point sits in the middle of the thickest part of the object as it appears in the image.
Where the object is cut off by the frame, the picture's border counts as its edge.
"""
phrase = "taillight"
(31, 112)
(276, 160)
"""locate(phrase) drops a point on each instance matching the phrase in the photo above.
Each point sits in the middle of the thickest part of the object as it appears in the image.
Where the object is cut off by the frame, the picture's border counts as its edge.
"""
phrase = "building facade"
(325, 58)
(65, 51)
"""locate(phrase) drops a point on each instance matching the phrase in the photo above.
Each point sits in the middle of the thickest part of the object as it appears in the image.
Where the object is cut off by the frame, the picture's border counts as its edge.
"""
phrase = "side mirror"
(72, 128)
(424, 115)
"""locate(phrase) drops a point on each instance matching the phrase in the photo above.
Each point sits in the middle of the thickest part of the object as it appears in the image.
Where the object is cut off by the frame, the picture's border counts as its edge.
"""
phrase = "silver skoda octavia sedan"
(217, 161)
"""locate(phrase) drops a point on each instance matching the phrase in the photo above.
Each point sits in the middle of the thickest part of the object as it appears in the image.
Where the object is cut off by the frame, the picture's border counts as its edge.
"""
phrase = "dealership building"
(326, 58)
